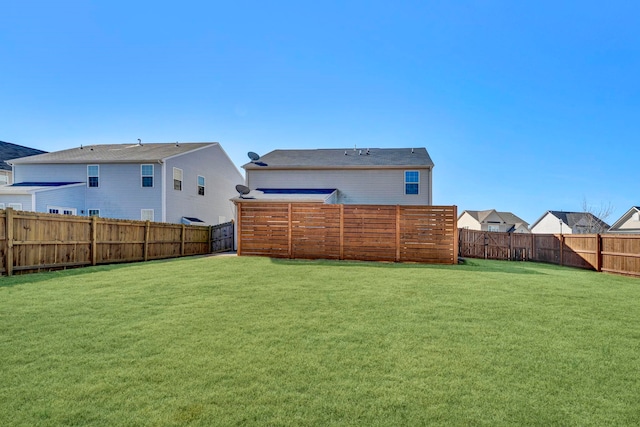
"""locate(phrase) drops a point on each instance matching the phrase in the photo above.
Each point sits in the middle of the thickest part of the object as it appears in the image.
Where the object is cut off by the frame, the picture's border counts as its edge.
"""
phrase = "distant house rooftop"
(344, 158)
(9, 151)
(115, 153)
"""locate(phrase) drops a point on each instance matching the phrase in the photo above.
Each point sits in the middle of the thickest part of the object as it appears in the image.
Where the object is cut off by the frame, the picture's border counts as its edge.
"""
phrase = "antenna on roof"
(139, 142)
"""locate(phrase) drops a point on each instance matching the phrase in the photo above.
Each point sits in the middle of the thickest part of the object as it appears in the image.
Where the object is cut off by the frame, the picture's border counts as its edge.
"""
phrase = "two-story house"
(395, 176)
(492, 220)
(168, 182)
(560, 222)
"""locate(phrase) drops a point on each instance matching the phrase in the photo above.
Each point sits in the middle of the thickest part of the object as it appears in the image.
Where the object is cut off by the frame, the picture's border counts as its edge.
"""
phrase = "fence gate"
(222, 237)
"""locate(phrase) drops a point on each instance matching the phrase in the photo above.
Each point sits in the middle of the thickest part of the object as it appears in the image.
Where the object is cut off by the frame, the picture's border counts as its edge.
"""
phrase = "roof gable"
(115, 153)
(625, 217)
(344, 158)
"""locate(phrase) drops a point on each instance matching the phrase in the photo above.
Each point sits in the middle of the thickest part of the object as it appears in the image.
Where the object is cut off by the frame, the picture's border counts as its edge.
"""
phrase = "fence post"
(397, 233)
(94, 242)
(182, 232)
(510, 254)
(456, 240)
(598, 252)
(147, 225)
(562, 249)
(290, 242)
(341, 231)
(210, 239)
(532, 248)
(9, 234)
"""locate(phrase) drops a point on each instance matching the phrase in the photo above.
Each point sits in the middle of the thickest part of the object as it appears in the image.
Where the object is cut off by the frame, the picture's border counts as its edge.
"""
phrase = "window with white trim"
(177, 179)
(94, 212)
(493, 227)
(146, 214)
(15, 206)
(61, 210)
(4, 179)
(146, 173)
(1, 205)
(93, 176)
(200, 185)
(411, 182)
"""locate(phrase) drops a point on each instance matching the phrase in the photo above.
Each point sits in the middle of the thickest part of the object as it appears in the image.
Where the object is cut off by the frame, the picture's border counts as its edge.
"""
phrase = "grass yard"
(253, 341)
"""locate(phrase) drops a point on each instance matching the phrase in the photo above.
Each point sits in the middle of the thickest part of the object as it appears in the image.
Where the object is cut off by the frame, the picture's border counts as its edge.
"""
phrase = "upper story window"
(93, 176)
(411, 182)
(200, 185)
(493, 227)
(146, 172)
(146, 214)
(15, 206)
(177, 179)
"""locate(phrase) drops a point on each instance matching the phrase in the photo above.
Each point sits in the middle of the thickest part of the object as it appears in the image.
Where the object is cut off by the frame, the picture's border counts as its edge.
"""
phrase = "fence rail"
(32, 241)
(350, 232)
(612, 253)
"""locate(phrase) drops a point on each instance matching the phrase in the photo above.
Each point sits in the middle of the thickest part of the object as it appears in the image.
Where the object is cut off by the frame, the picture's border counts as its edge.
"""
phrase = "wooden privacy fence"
(32, 241)
(613, 253)
(349, 232)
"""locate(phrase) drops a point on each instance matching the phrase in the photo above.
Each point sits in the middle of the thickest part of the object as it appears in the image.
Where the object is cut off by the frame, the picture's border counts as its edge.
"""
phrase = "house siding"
(221, 177)
(469, 222)
(25, 199)
(69, 197)
(550, 224)
(355, 186)
(50, 172)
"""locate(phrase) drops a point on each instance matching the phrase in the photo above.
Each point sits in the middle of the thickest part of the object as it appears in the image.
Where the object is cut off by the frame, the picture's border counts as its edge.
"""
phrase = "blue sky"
(523, 106)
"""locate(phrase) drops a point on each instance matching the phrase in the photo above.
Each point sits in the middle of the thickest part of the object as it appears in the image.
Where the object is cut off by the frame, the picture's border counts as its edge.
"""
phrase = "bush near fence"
(348, 232)
(32, 241)
(613, 253)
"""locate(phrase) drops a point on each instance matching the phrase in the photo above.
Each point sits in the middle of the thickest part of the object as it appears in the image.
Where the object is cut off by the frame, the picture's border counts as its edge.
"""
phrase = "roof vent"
(360, 153)
(345, 152)
(412, 151)
(368, 152)
(177, 144)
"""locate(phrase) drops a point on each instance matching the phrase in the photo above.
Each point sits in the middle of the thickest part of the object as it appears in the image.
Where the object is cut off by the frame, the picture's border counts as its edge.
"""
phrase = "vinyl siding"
(360, 186)
(68, 197)
(549, 224)
(467, 221)
(120, 193)
(50, 173)
(25, 199)
(221, 177)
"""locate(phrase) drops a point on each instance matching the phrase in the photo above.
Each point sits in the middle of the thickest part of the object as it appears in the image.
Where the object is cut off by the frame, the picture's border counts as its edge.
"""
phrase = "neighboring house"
(397, 176)
(175, 183)
(492, 220)
(559, 222)
(628, 223)
(9, 151)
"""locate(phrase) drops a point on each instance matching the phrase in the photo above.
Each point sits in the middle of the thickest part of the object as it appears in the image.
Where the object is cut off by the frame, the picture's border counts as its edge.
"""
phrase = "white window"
(200, 185)
(1, 205)
(146, 173)
(146, 214)
(61, 210)
(493, 227)
(4, 179)
(177, 179)
(15, 206)
(94, 212)
(93, 176)
(411, 182)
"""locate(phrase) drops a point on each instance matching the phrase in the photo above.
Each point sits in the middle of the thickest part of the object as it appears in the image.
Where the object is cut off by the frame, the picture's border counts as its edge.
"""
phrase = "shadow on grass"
(469, 265)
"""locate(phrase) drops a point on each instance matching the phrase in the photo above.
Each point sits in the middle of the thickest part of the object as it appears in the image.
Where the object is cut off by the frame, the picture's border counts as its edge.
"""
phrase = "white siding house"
(628, 223)
(492, 220)
(129, 181)
(368, 176)
(559, 222)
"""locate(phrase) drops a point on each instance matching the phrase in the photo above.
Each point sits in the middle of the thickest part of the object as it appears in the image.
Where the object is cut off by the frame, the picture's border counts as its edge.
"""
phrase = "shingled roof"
(9, 151)
(344, 158)
(115, 153)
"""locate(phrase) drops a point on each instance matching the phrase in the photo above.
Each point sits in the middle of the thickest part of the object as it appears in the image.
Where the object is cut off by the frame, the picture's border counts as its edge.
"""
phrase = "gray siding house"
(397, 176)
(9, 151)
(175, 183)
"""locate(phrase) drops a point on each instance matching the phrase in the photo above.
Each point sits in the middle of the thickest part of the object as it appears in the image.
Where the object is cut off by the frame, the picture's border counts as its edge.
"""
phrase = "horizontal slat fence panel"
(32, 241)
(350, 232)
(614, 253)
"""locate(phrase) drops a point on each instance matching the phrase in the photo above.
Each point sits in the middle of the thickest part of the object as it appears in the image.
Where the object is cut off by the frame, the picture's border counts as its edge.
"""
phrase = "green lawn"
(253, 341)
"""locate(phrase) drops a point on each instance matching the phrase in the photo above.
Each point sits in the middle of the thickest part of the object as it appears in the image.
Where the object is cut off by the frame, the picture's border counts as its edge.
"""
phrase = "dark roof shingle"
(9, 151)
(344, 158)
